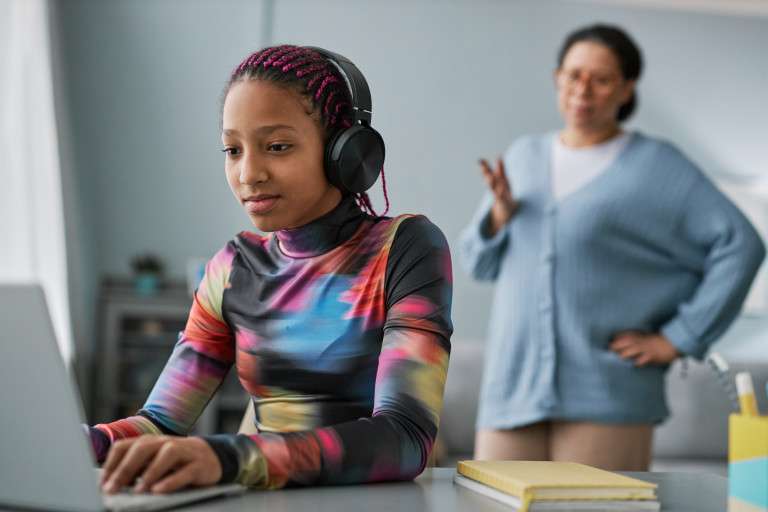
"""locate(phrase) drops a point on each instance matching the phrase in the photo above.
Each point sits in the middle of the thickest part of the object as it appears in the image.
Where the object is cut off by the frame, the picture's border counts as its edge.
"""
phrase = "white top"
(572, 168)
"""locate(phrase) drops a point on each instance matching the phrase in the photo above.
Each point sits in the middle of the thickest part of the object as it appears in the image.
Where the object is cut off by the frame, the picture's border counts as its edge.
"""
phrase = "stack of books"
(533, 486)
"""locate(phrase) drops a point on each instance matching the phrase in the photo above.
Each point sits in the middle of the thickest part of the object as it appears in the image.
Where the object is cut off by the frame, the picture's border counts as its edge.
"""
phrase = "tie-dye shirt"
(339, 330)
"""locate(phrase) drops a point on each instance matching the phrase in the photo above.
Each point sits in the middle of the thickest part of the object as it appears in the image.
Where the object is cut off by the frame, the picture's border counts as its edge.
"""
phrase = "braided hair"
(310, 74)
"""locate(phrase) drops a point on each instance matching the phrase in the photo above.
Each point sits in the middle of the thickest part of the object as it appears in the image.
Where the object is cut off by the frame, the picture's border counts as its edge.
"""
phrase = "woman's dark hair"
(310, 74)
(626, 51)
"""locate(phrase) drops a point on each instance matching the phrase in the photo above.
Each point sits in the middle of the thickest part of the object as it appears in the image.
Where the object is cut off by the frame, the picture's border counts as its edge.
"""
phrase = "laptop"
(46, 461)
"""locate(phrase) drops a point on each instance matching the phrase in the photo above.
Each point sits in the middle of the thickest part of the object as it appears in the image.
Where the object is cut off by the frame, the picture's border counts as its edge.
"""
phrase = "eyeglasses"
(570, 78)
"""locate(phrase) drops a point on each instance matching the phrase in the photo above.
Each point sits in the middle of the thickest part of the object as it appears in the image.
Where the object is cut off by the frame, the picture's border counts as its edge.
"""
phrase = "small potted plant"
(147, 270)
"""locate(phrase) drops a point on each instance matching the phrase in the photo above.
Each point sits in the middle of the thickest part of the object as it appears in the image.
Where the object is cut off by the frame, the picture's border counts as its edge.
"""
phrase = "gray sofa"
(695, 438)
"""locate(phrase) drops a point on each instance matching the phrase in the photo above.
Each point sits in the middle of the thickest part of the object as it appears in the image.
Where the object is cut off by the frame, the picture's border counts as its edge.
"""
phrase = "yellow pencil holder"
(747, 463)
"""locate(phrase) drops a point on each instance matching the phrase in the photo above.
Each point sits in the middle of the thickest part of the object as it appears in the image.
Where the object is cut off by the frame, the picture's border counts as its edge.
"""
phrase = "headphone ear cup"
(354, 158)
(331, 169)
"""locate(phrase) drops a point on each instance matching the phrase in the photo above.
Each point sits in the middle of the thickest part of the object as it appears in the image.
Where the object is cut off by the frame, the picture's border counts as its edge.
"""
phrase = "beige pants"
(611, 447)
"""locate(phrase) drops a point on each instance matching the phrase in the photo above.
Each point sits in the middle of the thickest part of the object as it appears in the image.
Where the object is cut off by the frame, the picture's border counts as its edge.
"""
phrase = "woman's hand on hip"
(160, 464)
(504, 205)
(644, 349)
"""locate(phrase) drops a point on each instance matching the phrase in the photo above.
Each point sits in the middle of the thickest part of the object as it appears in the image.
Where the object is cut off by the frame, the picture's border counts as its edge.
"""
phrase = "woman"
(338, 321)
(614, 255)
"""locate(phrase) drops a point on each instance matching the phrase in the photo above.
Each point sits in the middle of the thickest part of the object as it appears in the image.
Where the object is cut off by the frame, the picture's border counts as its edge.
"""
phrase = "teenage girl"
(337, 321)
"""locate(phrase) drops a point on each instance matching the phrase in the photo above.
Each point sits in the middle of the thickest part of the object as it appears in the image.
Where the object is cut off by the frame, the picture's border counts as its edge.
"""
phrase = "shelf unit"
(137, 334)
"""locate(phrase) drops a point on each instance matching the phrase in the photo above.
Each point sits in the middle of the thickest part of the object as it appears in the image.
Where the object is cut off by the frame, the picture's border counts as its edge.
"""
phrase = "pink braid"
(311, 69)
(320, 76)
(261, 57)
(279, 53)
(384, 189)
(363, 200)
(296, 63)
(328, 102)
(288, 57)
(327, 80)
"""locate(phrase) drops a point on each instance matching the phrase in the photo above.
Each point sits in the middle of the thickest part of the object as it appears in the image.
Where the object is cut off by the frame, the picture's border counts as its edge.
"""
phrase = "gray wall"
(451, 81)
(138, 105)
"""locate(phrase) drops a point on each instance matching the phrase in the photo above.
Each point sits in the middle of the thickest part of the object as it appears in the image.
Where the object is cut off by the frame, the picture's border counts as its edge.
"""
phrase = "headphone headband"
(362, 109)
(354, 156)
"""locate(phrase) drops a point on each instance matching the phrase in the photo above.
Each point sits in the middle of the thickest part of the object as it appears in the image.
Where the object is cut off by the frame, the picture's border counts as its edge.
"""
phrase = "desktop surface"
(434, 491)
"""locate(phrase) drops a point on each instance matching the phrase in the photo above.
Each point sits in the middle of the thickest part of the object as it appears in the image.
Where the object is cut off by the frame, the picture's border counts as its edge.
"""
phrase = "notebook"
(533, 486)
(46, 457)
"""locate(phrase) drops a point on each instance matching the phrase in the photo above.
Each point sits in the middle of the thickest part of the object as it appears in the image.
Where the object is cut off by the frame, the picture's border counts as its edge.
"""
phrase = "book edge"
(522, 485)
(630, 505)
(480, 488)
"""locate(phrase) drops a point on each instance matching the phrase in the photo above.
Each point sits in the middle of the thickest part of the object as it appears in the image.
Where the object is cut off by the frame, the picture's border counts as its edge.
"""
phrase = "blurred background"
(113, 189)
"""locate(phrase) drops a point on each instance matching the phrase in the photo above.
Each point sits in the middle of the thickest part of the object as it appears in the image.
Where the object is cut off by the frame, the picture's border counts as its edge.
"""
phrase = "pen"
(746, 394)
(720, 366)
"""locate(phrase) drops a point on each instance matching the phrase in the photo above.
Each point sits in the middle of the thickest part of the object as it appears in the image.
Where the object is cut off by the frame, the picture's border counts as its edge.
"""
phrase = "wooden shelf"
(137, 335)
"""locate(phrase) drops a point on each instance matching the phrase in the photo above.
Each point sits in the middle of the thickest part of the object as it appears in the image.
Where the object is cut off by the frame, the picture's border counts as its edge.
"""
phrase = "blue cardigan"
(648, 245)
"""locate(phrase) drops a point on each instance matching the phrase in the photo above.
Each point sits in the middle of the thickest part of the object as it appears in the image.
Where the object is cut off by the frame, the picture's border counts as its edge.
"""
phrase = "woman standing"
(613, 256)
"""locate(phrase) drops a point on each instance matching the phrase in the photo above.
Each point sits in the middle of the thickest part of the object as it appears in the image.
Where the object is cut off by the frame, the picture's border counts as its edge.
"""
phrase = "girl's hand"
(160, 464)
(644, 349)
(504, 206)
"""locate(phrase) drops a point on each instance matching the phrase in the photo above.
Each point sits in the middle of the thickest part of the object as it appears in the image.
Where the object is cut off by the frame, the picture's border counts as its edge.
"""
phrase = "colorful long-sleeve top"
(339, 330)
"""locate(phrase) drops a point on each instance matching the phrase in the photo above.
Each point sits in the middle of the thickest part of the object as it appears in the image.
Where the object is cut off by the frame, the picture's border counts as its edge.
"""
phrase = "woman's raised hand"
(504, 205)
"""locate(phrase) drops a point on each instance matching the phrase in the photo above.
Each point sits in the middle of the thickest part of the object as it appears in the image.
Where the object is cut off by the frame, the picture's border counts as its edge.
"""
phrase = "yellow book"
(536, 485)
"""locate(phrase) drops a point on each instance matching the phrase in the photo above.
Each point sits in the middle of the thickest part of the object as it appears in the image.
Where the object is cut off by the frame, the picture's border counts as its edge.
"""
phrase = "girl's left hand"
(160, 464)
(644, 349)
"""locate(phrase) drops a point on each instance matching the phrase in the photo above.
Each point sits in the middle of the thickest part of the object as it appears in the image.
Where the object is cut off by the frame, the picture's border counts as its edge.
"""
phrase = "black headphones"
(354, 156)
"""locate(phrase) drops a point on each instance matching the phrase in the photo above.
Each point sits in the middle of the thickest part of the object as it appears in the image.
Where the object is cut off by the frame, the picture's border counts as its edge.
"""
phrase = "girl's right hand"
(504, 205)
(160, 464)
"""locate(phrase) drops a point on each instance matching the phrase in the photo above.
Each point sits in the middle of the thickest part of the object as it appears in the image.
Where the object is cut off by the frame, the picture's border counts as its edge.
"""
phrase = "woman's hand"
(160, 464)
(504, 206)
(644, 349)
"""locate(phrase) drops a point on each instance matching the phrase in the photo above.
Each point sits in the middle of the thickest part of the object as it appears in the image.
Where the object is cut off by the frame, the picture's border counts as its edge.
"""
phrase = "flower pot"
(146, 283)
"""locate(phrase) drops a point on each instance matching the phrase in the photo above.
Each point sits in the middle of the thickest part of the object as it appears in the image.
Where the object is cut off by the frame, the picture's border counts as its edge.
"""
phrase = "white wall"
(31, 223)
(451, 81)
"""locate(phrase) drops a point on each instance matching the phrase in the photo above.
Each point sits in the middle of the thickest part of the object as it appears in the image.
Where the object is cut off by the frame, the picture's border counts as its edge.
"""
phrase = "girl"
(337, 321)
